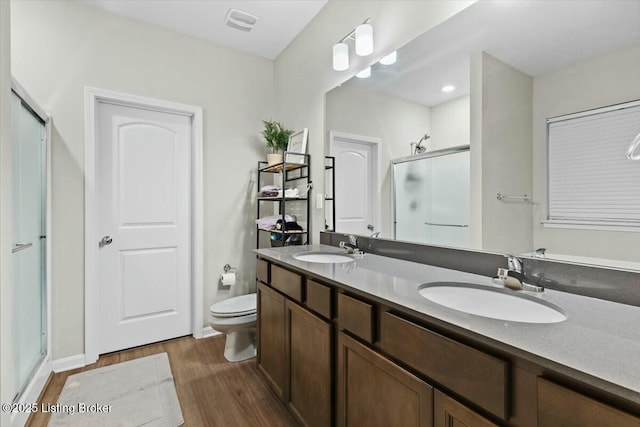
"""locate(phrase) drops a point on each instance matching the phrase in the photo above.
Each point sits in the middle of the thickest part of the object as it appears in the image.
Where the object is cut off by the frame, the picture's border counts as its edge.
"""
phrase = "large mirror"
(482, 86)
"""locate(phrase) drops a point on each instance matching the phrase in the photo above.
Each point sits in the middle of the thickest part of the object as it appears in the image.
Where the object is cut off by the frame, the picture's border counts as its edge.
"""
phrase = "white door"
(356, 175)
(144, 227)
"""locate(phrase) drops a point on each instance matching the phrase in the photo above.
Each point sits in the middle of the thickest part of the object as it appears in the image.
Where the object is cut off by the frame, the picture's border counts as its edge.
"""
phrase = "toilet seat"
(233, 321)
(241, 306)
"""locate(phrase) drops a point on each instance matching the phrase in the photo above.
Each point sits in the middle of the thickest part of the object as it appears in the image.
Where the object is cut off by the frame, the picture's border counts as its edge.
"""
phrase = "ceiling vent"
(240, 20)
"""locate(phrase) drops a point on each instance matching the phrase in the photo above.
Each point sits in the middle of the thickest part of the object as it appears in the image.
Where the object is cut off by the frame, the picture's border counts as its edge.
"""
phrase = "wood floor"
(212, 391)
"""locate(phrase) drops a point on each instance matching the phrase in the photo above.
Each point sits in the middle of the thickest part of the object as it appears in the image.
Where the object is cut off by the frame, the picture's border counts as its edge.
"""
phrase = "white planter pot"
(274, 158)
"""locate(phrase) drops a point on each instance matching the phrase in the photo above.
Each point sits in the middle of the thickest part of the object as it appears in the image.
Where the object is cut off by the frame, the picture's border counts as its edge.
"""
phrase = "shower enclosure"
(431, 197)
(28, 252)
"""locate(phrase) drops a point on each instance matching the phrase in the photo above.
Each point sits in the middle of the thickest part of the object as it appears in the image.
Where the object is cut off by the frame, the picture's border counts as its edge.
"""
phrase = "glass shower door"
(431, 199)
(29, 247)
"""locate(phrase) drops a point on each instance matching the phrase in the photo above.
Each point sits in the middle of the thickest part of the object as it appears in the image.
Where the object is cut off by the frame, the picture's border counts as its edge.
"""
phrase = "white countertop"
(599, 339)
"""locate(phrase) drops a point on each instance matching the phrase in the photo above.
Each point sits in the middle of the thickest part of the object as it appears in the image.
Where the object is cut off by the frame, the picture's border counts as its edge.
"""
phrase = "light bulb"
(364, 39)
(448, 88)
(340, 56)
(364, 73)
(389, 59)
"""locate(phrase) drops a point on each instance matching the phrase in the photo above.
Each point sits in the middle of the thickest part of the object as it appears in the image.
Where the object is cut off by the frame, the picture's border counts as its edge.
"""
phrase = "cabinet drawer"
(262, 270)
(319, 298)
(287, 282)
(466, 371)
(356, 317)
(558, 406)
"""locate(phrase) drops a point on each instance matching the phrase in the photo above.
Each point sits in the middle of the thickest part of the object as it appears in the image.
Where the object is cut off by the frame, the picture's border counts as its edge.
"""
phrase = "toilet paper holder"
(227, 269)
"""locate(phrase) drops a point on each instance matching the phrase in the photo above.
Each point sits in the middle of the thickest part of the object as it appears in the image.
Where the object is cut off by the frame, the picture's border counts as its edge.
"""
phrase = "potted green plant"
(277, 137)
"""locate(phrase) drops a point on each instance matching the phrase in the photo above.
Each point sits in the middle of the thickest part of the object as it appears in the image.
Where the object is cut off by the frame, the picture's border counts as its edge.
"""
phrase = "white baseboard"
(32, 392)
(209, 332)
(68, 363)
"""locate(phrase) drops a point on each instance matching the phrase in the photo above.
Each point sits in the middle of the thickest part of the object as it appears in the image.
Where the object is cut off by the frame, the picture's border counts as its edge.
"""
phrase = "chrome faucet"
(516, 271)
(352, 246)
(539, 253)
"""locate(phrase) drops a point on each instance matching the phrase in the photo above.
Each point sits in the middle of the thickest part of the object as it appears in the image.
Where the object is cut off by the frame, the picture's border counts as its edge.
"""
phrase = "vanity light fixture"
(364, 39)
(364, 73)
(340, 56)
(448, 88)
(389, 59)
(363, 36)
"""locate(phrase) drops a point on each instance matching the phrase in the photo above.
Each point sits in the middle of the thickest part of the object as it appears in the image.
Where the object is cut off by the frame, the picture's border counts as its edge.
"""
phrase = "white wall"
(450, 124)
(505, 154)
(58, 48)
(397, 122)
(303, 72)
(603, 81)
(7, 369)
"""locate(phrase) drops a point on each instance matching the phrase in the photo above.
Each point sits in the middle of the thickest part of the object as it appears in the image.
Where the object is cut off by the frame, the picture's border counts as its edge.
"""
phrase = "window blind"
(590, 180)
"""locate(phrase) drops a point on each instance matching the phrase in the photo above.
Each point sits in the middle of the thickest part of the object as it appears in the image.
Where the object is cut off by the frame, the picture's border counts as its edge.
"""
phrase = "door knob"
(106, 240)
(370, 227)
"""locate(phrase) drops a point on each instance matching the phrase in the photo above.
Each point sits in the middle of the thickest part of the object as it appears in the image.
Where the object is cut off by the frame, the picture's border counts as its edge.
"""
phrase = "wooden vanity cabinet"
(309, 366)
(449, 412)
(388, 368)
(271, 339)
(559, 406)
(472, 374)
(373, 391)
(295, 347)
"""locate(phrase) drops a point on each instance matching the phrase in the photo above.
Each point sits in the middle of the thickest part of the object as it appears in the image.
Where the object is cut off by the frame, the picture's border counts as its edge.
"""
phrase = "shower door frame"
(39, 376)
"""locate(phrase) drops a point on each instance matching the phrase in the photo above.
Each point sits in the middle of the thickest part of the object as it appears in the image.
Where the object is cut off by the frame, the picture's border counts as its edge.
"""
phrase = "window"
(590, 180)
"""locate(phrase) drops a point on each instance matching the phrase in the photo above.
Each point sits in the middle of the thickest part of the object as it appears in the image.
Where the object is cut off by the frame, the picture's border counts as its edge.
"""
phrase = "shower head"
(419, 147)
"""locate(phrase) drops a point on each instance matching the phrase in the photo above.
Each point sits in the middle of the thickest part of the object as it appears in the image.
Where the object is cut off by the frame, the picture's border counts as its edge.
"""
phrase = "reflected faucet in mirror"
(351, 247)
(633, 147)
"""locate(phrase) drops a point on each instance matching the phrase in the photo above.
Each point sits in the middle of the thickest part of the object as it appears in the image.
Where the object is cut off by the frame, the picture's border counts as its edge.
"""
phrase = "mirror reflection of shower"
(417, 147)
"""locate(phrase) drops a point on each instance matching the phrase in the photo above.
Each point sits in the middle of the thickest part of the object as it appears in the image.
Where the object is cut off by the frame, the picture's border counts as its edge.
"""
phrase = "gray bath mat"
(134, 393)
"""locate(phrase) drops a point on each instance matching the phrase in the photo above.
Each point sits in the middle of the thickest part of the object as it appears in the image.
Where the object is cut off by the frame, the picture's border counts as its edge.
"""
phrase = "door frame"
(376, 144)
(91, 301)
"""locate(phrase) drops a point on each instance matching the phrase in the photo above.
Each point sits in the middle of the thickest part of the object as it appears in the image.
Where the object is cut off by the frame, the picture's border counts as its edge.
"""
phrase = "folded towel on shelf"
(269, 222)
(270, 191)
(291, 192)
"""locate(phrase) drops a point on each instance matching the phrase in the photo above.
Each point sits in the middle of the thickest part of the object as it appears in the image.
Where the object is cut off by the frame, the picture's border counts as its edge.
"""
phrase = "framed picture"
(297, 144)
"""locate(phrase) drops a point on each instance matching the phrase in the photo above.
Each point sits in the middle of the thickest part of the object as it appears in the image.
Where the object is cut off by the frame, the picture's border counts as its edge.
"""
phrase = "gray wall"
(500, 155)
(395, 121)
(58, 48)
(600, 82)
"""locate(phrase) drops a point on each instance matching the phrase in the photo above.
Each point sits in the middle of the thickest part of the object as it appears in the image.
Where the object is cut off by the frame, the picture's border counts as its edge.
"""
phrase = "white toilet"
(236, 317)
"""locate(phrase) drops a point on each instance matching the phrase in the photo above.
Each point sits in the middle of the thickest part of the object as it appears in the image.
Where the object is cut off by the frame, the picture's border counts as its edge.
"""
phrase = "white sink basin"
(323, 257)
(493, 303)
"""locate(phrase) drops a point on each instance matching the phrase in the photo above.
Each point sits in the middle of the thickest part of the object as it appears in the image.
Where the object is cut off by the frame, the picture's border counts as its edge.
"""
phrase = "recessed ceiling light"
(364, 73)
(389, 59)
(240, 20)
(448, 88)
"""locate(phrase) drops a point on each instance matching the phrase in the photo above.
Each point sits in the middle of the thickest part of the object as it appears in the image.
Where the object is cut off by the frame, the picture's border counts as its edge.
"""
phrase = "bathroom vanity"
(355, 343)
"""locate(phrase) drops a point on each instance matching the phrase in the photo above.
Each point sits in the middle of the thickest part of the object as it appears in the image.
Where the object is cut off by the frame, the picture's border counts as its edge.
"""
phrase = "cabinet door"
(373, 391)
(271, 339)
(451, 413)
(559, 406)
(310, 364)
